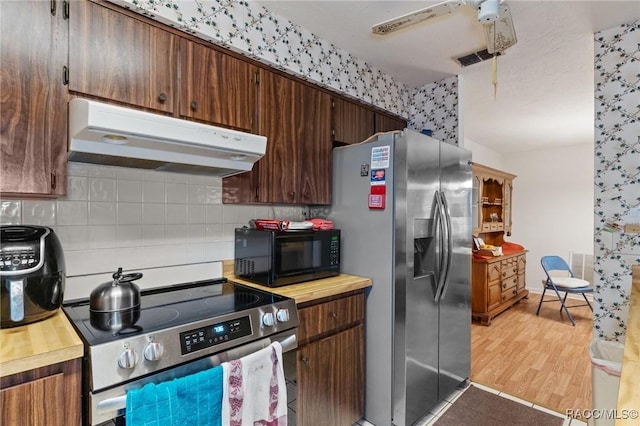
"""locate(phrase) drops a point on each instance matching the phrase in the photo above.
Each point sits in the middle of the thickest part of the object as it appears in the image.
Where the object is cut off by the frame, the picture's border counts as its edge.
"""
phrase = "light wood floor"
(542, 359)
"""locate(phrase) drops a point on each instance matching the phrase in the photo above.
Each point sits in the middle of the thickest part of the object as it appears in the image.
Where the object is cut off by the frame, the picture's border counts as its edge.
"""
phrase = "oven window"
(299, 255)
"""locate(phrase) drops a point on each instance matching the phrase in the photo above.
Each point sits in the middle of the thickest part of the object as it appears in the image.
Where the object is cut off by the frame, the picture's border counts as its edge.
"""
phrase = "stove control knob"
(153, 351)
(127, 358)
(282, 315)
(268, 320)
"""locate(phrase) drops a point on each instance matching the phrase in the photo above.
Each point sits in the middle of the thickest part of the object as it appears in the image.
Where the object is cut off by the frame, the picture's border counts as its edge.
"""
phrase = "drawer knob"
(333, 315)
(162, 97)
(304, 360)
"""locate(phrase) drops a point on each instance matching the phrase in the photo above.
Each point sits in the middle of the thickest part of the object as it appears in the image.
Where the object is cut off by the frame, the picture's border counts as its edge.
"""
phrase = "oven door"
(108, 406)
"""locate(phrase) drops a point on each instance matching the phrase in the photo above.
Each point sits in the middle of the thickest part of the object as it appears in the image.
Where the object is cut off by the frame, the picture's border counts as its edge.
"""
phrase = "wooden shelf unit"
(497, 283)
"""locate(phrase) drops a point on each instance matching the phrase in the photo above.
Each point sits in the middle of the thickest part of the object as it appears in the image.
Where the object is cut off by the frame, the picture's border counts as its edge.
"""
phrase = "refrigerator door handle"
(440, 262)
(449, 245)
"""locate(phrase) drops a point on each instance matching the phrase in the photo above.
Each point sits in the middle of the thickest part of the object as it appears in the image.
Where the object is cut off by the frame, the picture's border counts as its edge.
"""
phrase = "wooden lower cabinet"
(330, 361)
(497, 284)
(331, 379)
(49, 395)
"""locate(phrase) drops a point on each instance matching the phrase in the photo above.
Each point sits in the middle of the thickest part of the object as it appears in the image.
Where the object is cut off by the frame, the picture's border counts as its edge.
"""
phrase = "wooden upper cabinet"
(316, 156)
(216, 87)
(387, 123)
(120, 58)
(279, 171)
(296, 168)
(352, 123)
(493, 210)
(33, 123)
(295, 119)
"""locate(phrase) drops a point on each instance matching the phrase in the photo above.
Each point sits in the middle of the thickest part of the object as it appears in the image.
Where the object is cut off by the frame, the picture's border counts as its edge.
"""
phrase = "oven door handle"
(288, 343)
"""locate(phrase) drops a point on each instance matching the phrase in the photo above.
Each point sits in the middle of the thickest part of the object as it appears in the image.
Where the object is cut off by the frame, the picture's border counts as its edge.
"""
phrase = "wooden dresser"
(497, 283)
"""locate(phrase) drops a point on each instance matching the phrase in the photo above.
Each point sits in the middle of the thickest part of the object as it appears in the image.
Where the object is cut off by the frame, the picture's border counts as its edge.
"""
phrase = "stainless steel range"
(182, 329)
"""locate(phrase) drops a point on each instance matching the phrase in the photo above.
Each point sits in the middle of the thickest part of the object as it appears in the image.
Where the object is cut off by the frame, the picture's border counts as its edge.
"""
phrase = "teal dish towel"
(186, 401)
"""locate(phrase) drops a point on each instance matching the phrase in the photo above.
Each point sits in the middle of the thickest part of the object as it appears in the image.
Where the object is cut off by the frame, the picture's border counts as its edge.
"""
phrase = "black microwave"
(277, 258)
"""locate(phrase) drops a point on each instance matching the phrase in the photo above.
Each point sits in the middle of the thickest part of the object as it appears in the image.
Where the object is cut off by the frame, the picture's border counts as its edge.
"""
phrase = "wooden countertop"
(307, 291)
(39, 344)
(628, 395)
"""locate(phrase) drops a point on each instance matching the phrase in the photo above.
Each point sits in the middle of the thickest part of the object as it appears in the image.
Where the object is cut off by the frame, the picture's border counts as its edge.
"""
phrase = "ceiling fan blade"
(500, 34)
(412, 18)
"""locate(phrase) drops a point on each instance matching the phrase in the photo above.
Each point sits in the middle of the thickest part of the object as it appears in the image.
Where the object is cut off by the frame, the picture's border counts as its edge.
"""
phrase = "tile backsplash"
(135, 219)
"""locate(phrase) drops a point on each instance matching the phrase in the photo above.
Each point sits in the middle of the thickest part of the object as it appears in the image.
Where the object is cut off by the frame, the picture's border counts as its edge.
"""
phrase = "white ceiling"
(545, 82)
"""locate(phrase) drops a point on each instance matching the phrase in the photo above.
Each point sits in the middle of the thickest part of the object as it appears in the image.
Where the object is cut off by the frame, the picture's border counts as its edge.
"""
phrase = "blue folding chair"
(567, 284)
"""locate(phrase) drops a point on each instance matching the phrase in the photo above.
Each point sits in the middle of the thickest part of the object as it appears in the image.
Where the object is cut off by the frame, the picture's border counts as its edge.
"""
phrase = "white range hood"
(112, 135)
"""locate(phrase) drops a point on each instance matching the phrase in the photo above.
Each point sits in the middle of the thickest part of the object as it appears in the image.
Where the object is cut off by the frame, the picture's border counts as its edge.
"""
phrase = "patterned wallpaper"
(249, 29)
(617, 175)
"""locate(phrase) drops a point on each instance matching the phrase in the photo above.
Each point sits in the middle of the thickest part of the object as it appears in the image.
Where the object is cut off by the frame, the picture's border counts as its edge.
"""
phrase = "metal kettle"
(115, 305)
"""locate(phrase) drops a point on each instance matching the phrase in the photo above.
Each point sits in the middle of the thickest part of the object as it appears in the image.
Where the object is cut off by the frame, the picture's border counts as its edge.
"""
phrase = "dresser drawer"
(509, 294)
(507, 283)
(509, 267)
(327, 316)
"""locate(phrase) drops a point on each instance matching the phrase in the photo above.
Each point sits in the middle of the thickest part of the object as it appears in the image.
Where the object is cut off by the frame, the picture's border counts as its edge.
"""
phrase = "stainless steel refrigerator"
(403, 203)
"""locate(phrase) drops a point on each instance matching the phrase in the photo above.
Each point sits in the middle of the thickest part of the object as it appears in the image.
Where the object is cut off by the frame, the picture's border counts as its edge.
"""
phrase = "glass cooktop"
(170, 306)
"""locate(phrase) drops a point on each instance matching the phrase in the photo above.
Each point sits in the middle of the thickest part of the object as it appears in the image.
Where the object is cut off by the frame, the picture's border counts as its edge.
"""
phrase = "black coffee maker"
(32, 272)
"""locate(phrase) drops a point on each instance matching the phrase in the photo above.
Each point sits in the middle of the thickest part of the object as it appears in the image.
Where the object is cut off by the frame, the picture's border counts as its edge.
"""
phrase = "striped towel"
(186, 401)
(255, 392)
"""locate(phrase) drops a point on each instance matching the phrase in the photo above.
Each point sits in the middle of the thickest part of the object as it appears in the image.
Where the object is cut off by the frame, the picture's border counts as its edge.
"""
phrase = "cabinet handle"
(54, 183)
(65, 9)
(333, 315)
(162, 97)
(304, 360)
(194, 105)
(53, 7)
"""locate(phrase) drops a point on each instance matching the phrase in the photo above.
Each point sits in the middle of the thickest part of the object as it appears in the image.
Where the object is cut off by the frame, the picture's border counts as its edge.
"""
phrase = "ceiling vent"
(475, 57)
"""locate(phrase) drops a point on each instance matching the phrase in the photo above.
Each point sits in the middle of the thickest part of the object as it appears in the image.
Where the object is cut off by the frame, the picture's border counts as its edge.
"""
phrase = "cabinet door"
(296, 168)
(331, 380)
(216, 87)
(120, 58)
(316, 155)
(494, 296)
(386, 123)
(38, 402)
(279, 171)
(33, 123)
(352, 123)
